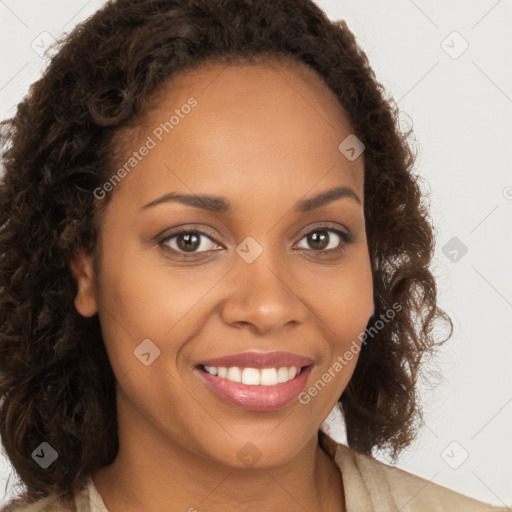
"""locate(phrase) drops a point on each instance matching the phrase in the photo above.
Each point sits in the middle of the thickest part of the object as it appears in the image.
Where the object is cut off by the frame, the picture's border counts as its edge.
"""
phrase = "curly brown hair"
(56, 381)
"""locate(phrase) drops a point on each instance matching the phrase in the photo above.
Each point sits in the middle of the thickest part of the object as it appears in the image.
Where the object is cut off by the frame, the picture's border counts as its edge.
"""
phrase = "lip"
(259, 360)
(257, 398)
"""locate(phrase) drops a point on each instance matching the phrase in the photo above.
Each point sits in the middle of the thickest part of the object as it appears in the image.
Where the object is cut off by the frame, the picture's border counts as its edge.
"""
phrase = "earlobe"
(82, 268)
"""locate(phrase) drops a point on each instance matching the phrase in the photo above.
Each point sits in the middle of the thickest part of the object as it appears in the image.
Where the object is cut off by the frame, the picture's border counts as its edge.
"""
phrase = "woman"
(211, 235)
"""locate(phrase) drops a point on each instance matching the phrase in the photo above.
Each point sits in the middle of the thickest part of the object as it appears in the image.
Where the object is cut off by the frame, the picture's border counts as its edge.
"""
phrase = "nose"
(263, 297)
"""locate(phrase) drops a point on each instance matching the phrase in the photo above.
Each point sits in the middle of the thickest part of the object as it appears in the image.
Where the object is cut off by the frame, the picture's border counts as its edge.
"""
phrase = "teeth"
(211, 370)
(254, 376)
(234, 374)
(269, 377)
(251, 376)
(282, 375)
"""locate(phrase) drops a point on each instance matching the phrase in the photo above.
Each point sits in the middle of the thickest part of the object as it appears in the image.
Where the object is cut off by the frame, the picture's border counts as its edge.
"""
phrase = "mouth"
(254, 381)
(254, 376)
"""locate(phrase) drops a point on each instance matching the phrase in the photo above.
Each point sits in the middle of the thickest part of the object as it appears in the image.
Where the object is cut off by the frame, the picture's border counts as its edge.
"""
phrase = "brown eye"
(189, 241)
(318, 240)
(324, 239)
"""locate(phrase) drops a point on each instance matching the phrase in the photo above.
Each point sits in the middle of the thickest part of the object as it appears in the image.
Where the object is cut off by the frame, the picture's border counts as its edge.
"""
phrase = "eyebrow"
(220, 204)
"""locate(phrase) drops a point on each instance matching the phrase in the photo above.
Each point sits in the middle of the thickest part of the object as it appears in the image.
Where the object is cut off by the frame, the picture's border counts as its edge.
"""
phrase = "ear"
(82, 268)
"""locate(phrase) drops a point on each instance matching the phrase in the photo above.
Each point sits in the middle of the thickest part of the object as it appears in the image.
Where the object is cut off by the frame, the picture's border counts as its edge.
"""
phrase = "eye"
(188, 242)
(326, 240)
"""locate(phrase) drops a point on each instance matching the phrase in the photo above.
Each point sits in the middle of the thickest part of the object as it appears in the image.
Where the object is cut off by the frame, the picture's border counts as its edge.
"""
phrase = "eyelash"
(346, 237)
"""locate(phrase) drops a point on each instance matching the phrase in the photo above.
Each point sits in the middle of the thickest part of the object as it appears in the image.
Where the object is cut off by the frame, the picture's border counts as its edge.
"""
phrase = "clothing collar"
(365, 485)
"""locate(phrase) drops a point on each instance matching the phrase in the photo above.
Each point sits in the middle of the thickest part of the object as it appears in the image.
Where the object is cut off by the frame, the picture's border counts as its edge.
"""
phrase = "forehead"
(253, 124)
(267, 78)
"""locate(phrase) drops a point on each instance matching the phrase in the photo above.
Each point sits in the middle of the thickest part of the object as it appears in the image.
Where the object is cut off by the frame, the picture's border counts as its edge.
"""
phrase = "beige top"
(369, 485)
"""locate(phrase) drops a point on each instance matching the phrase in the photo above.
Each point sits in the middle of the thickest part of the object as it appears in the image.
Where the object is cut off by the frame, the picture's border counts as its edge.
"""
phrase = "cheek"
(146, 315)
(140, 299)
(346, 300)
(344, 306)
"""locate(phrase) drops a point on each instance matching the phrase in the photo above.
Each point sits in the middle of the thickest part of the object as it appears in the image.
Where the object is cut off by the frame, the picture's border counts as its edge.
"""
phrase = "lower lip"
(257, 398)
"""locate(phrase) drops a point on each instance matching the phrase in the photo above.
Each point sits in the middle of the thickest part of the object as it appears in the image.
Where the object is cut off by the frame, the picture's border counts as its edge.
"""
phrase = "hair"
(56, 381)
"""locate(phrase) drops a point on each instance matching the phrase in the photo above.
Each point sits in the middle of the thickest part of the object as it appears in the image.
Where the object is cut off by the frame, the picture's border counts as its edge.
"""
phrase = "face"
(266, 282)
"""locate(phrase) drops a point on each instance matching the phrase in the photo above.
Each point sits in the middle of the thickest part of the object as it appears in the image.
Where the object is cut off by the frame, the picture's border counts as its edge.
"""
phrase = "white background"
(460, 109)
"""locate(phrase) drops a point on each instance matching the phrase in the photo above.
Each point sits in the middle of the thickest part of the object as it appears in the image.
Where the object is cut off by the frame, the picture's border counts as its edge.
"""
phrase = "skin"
(263, 136)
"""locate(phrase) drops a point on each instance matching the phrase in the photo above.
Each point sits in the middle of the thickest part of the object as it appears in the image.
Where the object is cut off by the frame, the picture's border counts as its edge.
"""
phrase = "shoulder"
(392, 489)
(48, 504)
(412, 492)
(52, 504)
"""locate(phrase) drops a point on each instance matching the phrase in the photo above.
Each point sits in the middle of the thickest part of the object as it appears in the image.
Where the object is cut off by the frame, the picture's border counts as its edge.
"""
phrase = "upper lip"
(259, 360)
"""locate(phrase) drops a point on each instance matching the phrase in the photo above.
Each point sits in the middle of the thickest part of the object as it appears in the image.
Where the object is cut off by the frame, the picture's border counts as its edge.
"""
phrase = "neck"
(151, 473)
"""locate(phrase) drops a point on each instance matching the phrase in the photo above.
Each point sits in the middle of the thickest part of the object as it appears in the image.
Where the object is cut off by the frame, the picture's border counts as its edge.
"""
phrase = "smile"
(254, 376)
(256, 381)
